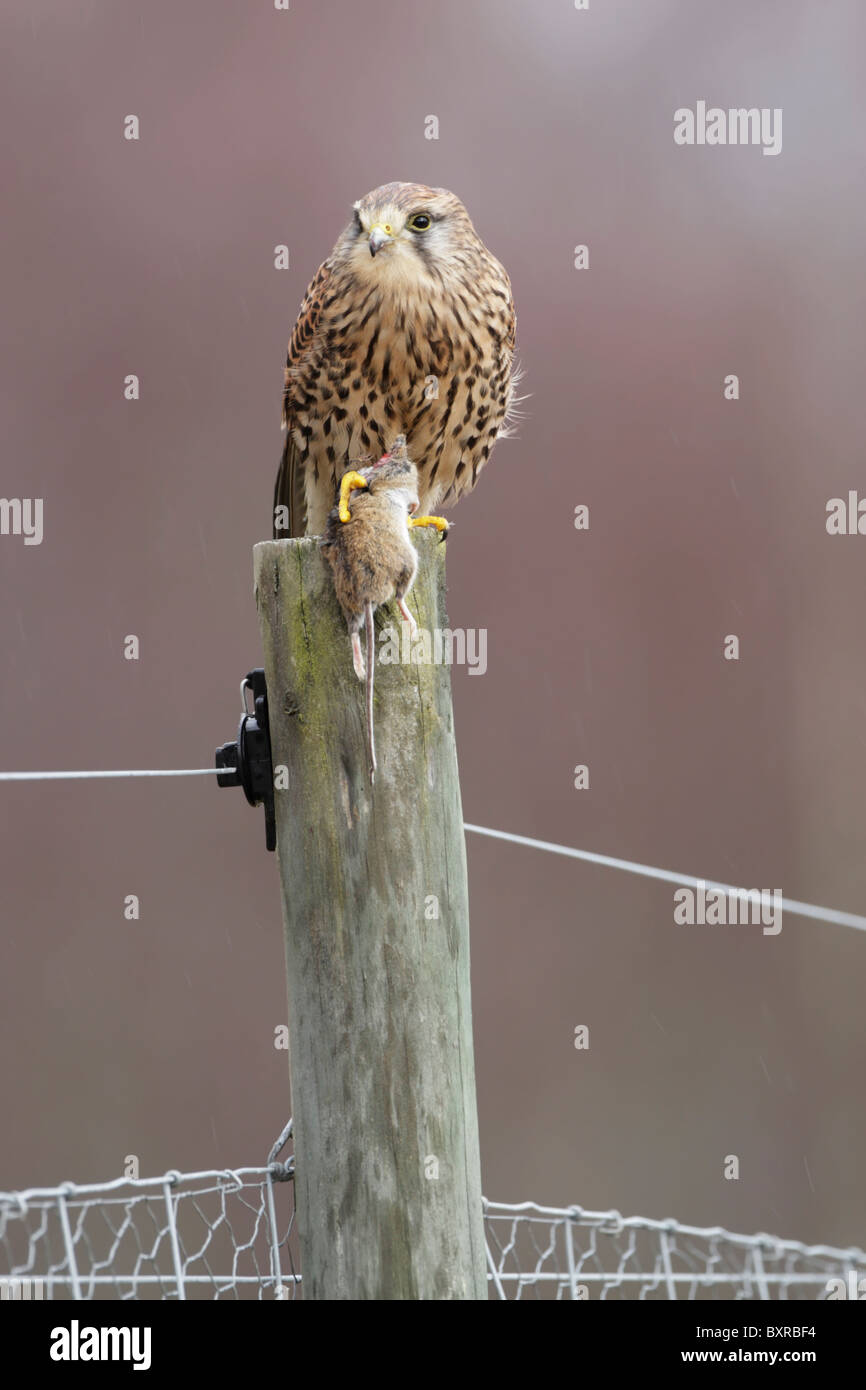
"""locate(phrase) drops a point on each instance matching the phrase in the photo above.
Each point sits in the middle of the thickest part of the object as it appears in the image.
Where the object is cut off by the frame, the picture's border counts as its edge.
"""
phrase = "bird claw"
(442, 526)
(349, 483)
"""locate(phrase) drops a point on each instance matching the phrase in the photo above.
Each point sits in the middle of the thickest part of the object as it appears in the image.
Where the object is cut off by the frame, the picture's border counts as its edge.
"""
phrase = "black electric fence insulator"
(247, 762)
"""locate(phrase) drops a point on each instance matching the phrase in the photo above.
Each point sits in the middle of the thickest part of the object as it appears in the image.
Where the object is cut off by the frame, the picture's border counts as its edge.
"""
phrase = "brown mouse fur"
(372, 557)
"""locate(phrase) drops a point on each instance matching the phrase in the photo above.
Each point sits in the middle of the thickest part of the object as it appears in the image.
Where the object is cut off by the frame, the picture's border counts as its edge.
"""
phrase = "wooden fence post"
(376, 920)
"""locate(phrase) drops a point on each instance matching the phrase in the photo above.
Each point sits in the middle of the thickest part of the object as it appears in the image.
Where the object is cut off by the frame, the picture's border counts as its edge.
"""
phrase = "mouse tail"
(371, 666)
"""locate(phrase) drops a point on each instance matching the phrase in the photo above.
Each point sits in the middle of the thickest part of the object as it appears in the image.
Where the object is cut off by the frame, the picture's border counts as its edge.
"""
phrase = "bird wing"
(513, 369)
(289, 489)
(289, 492)
(511, 331)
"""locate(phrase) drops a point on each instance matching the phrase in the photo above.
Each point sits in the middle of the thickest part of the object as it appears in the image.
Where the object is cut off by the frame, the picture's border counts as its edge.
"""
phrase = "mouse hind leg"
(355, 635)
(404, 584)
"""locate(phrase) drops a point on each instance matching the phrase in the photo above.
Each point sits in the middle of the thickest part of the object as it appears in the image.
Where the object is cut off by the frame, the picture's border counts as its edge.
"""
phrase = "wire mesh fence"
(230, 1234)
(216, 1234)
(192, 1235)
(569, 1253)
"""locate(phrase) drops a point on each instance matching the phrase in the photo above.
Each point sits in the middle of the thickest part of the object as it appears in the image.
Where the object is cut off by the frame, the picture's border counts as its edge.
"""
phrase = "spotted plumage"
(407, 328)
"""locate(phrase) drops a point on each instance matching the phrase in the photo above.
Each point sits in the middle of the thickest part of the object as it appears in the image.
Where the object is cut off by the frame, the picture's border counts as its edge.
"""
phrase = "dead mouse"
(371, 555)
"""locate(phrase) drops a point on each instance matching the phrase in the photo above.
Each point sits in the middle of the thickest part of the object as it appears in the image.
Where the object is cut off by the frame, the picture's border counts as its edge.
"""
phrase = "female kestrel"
(407, 328)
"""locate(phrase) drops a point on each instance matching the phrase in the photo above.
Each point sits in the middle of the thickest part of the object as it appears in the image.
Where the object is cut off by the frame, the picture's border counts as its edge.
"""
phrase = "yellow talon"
(350, 481)
(438, 521)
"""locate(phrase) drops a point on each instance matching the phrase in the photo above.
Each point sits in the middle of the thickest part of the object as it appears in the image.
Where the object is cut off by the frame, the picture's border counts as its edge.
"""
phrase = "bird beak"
(378, 237)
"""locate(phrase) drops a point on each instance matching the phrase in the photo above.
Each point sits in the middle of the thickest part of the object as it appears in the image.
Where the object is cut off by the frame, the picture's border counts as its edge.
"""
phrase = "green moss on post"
(375, 912)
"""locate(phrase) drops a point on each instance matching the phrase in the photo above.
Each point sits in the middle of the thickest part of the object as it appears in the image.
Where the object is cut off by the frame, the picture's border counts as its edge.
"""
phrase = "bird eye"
(419, 223)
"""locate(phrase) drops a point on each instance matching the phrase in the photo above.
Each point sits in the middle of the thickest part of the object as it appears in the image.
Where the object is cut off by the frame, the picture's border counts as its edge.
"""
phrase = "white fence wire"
(230, 1234)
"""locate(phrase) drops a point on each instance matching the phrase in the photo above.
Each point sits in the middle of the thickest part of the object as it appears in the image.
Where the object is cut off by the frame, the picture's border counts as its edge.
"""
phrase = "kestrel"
(407, 328)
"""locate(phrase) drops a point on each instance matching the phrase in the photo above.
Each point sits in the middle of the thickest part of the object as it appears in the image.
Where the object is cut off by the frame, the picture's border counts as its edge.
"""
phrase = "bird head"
(403, 229)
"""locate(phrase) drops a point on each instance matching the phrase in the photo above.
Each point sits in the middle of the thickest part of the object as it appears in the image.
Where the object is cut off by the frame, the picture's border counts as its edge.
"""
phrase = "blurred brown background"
(155, 1038)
